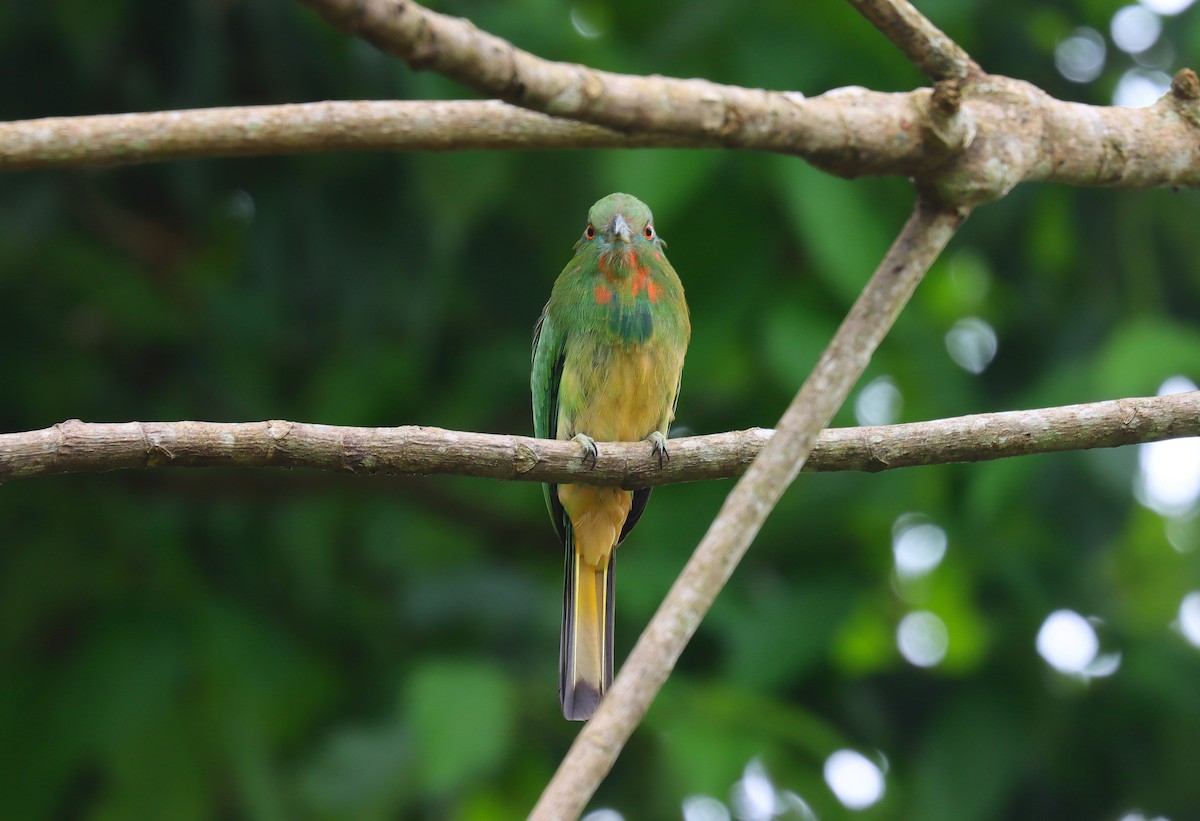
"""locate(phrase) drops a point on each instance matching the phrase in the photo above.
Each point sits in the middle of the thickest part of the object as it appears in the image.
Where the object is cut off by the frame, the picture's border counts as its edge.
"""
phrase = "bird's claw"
(590, 453)
(660, 447)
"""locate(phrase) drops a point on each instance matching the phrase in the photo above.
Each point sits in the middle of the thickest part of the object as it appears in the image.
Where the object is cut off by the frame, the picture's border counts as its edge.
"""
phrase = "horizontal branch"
(81, 447)
(851, 132)
(302, 128)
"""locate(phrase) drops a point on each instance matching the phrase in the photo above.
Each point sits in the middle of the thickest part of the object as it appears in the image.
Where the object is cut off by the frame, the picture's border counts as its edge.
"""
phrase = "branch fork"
(969, 140)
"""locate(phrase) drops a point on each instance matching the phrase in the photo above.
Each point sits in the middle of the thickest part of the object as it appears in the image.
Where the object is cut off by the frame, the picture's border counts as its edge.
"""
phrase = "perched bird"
(607, 358)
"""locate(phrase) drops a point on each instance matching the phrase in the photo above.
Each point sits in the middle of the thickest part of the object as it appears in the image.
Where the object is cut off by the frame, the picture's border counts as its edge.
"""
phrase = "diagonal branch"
(737, 117)
(746, 508)
(79, 447)
(921, 41)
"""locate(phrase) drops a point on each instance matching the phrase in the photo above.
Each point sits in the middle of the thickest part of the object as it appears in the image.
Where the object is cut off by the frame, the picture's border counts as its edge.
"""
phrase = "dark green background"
(273, 645)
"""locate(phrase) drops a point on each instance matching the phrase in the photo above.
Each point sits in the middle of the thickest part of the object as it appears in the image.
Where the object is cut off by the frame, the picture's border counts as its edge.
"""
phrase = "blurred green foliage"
(275, 645)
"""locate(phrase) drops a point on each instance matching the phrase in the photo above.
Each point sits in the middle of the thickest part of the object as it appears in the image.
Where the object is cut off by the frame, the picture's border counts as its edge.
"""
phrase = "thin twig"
(746, 508)
(80, 447)
(939, 57)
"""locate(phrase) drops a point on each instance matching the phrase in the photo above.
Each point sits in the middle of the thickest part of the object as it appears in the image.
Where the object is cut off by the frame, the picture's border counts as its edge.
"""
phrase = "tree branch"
(80, 447)
(967, 142)
(921, 41)
(456, 48)
(1006, 131)
(302, 128)
(746, 508)
(851, 132)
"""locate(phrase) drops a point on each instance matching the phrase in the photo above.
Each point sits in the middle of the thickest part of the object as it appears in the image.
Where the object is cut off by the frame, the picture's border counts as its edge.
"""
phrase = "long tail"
(586, 649)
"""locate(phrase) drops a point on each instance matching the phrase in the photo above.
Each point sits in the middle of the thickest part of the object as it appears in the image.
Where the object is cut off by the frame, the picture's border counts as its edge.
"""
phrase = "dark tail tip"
(579, 701)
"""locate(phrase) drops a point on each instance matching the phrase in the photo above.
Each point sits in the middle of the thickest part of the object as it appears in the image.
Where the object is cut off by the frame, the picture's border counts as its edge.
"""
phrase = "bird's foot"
(660, 447)
(589, 448)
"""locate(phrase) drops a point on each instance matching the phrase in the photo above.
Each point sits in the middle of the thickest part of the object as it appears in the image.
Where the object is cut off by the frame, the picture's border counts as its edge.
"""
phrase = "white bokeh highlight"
(879, 403)
(972, 344)
(922, 639)
(1068, 642)
(918, 545)
(1135, 28)
(1189, 617)
(604, 814)
(753, 796)
(855, 779)
(1168, 477)
(704, 808)
(1140, 87)
(1080, 57)
(585, 26)
(1167, 7)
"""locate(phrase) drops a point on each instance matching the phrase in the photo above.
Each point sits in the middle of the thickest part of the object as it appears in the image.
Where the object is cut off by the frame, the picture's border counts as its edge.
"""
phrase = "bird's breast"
(617, 393)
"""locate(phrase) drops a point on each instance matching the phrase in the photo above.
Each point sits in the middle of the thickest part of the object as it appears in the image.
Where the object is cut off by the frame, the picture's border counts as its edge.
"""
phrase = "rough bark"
(82, 447)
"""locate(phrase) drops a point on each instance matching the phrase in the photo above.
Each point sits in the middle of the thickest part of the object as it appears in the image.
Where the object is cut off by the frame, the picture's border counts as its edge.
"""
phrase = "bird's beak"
(620, 230)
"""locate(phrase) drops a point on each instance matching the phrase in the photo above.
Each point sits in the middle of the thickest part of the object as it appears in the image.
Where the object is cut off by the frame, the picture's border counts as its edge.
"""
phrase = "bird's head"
(619, 228)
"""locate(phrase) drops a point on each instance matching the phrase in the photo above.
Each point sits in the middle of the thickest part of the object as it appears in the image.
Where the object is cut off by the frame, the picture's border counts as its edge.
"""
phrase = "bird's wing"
(549, 353)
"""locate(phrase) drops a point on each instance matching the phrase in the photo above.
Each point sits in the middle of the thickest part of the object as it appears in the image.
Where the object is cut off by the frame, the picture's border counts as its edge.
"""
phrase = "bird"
(607, 360)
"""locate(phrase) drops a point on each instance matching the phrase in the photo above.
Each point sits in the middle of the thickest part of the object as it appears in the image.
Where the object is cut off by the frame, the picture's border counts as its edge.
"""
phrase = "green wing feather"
(549, 353)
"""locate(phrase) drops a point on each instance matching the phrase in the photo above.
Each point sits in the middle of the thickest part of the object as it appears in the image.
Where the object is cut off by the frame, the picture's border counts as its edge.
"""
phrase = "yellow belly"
(623, 398)
(612, 394)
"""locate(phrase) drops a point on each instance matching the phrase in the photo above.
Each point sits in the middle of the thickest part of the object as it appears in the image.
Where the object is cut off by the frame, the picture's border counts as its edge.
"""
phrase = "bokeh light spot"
(1080, 57)
(1189, 617)
(922, 638)
(1166, 7)
(1103, 665)
(855, 779)
(1139, 88)
(1135, 28)
(972, 344)
(1160, 56)
(604, 814)
(704, 808)
(1067, 641)
(878, 403)
(1168, 478)
(753, 796)
(795, 806)
(918, 545)
(585, 23)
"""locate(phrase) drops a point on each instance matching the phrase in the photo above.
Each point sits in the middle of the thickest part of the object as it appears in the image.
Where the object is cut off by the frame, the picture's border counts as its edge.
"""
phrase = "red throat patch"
(643, 282)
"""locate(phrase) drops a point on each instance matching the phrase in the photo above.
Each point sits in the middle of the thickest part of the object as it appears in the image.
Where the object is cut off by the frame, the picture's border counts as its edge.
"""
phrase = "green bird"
(607, 358)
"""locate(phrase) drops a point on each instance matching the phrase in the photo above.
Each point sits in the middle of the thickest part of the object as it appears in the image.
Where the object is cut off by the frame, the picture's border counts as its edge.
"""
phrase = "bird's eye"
(649, 232)
(590, 232)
